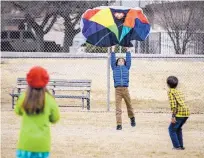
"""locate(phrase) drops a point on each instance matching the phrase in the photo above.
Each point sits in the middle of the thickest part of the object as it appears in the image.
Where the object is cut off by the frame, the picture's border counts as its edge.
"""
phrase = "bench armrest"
(13, 91)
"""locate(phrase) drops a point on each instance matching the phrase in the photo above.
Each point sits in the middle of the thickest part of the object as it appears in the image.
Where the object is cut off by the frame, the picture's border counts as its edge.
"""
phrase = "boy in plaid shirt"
(180, 113)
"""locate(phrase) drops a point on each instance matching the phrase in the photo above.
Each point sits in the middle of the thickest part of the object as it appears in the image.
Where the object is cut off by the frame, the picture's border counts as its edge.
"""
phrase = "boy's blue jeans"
(175, 131)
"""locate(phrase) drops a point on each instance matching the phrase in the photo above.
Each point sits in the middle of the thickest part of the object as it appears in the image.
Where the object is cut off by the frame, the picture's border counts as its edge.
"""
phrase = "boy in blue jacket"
(120, 69)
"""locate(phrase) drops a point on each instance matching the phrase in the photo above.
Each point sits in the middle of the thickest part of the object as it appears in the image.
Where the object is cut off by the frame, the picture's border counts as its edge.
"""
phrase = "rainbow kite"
(107, 26)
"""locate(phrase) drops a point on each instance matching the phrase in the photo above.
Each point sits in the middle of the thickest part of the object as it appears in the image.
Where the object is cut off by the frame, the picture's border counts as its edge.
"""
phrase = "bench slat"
(70, 85)
(59, 80)
(25, 86)
(61, 88)
(71, 96)
(72, 89)
(64, 82)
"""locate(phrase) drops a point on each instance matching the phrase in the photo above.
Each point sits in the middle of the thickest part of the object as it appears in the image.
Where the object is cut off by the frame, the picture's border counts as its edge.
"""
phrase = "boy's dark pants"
(122, 93)
(175, 131)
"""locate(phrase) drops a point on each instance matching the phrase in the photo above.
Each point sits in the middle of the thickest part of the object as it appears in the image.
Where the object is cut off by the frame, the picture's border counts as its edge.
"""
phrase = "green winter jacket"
(35, 129)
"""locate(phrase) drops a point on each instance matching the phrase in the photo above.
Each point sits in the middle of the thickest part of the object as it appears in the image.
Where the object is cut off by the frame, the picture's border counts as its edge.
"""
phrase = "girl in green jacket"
(38, 109)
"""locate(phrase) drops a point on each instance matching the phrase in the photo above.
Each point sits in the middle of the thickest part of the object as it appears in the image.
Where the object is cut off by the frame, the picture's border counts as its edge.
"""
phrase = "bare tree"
(37, 9)
(181, 19)
(72, 11)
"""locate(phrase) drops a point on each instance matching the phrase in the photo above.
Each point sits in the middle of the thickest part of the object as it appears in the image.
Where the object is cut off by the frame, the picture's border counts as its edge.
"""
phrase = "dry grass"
(147, 80)
(93, 134)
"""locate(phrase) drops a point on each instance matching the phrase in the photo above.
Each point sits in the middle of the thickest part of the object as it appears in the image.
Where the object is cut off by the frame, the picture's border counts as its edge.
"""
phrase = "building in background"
(11, 21)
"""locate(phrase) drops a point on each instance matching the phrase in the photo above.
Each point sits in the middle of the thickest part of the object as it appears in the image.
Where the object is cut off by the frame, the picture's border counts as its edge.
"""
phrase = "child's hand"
(127, 49)
(112, 48)
(173, 120)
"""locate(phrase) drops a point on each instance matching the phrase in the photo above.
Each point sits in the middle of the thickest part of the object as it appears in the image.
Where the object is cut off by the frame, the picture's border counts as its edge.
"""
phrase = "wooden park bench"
(59, 89)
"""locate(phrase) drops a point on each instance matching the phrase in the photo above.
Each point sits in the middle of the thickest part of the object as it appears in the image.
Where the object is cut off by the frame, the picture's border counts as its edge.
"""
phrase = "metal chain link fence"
(49, 32)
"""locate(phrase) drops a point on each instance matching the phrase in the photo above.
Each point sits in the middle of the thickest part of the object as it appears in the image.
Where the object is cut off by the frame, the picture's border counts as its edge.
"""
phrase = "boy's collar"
(172, 89)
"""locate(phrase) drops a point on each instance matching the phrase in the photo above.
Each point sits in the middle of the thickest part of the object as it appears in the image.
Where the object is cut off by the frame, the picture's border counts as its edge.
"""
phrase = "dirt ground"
(93, 134)
(82, 134)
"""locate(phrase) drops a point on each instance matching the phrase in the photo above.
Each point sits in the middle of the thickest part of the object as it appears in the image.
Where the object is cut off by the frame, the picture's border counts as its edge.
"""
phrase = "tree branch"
(76, 18)
(51, 24)
(173, 25)
(45, 20)
(189, 20)
(77, 31)
(32, 22)
(18, 6)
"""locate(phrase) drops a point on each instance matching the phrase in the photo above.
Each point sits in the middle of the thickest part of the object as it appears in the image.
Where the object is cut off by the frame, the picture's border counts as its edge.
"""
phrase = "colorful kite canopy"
(108, 26)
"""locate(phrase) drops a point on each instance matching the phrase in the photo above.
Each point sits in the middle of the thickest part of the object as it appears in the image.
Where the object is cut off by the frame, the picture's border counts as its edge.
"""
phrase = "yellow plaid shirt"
(178, 106)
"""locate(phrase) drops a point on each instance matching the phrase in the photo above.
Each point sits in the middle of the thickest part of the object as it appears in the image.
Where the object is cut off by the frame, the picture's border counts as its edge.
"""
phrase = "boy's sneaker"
(132, 121)
(119, 127)
(182, 148)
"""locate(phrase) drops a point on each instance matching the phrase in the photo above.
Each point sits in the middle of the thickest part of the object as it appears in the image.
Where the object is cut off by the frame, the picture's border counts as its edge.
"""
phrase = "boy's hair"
(118, 60)
(172, 81)
(34, 101)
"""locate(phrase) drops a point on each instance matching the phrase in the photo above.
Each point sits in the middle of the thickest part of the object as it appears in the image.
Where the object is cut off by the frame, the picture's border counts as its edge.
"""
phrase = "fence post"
(147, 46)
(108, 81)
(160, 43)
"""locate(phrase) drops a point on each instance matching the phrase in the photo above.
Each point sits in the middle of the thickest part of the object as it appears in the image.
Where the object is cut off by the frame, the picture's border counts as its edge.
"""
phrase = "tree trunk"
(174, 41)
(69, 36)
(184, 47)
(68, 40)
(40, 42)
(70, 33)
(201, 51)
(178, 47)
(38, 32)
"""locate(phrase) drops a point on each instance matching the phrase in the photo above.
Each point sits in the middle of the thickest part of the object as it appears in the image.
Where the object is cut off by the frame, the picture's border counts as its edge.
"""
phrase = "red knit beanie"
(37, 77)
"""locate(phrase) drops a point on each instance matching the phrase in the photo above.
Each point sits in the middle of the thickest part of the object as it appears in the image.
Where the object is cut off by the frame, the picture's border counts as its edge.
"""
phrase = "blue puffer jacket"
(121, 73)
